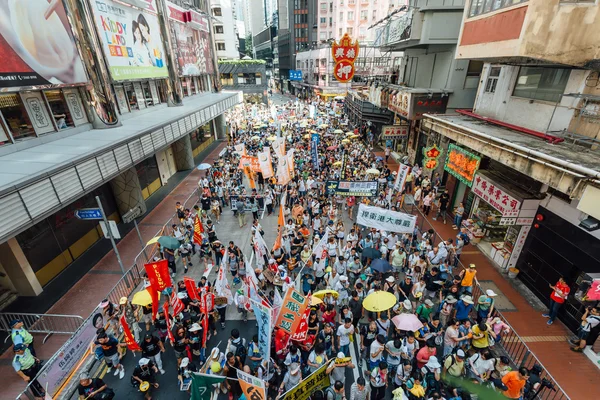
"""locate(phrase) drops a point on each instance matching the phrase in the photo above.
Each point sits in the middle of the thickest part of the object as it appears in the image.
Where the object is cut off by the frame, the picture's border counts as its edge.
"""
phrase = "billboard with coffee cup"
(37, 45)
(131, 40)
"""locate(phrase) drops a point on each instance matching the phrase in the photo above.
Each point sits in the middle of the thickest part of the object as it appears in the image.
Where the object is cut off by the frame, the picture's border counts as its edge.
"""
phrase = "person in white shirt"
(343, 334)
(481, 366)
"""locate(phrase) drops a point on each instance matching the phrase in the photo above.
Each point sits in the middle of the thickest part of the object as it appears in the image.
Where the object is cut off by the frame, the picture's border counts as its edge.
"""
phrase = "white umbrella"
(203, 166)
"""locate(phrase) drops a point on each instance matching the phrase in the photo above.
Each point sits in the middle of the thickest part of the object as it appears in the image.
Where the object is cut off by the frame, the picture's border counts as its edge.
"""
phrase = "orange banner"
(250, 162)
(252, 387)
(198, 231)
(293, 307)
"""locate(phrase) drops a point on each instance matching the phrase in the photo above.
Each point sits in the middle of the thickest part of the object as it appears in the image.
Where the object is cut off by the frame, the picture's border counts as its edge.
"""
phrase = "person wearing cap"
(151, 348)
(485, 305)
(337, 368)
(343, 289)
(93, 389)
(145, 371)
(19, 335)
(132, 316)
(184, 375)
(468, 279)
(454, 364)
(27, 367)
(432, 374)
(425, 309)
(110, 349)
(292, 378)
(463, 308)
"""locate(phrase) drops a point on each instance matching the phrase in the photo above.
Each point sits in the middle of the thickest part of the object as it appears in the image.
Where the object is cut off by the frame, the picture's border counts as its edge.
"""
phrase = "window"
(362, 32)
(218, 28)
(323, 6)
(341, 16)
(350, 31)
(59, 109)
(490, 85)
(323, 20)
(220, 46)
(331, 7)
(474, 68)
(322, 36)
(546, 84)
(374, 17)
(15, 115)
(131, 96)
(341, 34)
(479, 7)
(364, 15)
(217, 12)
(576, 1)
(350, 15)
(330, 21)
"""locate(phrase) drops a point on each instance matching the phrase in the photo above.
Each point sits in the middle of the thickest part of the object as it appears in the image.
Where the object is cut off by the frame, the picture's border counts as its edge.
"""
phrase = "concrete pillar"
(18, 269)
(128, 191)
(219, 127)
(182, 152)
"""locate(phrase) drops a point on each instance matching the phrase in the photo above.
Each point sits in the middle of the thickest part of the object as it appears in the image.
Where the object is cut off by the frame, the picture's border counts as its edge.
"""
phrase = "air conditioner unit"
(590, 224)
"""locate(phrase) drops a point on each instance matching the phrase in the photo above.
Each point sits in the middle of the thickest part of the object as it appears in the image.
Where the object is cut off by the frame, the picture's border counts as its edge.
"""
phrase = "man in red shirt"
(559, 294)
(427, 351)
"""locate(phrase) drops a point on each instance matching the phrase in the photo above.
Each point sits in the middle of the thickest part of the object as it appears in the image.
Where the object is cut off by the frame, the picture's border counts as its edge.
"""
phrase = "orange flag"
(198, 231)
(280, 223)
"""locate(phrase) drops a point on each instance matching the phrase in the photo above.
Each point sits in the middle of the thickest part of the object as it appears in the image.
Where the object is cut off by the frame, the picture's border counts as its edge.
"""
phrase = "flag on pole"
(202, 386)
(168, 320)
(129, 339)
(198, 230)
(176, 304)
(320, 249)
(301, 332)
(280, 223)
(154, 297)
(221, 284)
(190, 286)
(158, 275)
(253, 388)
(290, 160)
(260, 248)
(277, 303)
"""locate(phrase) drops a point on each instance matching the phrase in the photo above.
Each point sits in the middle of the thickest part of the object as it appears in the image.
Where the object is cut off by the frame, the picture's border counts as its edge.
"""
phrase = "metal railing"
(511, 344)
(42, 323)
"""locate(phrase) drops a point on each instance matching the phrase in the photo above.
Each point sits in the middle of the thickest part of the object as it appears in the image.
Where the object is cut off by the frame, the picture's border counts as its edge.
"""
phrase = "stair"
(6, 298)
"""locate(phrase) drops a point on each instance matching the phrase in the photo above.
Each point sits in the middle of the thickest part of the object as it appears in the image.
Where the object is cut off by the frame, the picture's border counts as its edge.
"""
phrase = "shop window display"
(16, 118)
(59, 109)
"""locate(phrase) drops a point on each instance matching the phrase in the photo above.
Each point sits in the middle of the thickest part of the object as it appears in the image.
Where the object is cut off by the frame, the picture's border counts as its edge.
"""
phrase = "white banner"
(264, 160)
(320, 248)
(385, 220)
(260, 248)
(290, 159)
(403, 171)
(240, 149)
(221, 284)
(283, 172)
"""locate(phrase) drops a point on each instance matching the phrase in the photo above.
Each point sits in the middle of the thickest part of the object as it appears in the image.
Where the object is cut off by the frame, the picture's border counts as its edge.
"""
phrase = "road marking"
(533, 339)
(357, 371)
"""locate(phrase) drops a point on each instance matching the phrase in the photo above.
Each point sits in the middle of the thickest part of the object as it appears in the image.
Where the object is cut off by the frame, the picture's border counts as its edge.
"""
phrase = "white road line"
(355, 358)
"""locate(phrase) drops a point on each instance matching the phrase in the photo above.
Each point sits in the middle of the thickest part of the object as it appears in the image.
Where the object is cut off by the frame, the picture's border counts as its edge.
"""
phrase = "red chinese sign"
(495, 196)
(293, 307)
(431, 157)
(344, 53)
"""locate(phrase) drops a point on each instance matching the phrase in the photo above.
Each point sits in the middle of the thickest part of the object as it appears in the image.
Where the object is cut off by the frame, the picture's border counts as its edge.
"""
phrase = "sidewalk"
(574, 372)
(83, 297)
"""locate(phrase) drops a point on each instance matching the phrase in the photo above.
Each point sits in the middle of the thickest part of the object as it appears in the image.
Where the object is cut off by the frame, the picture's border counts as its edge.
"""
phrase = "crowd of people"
(453, 338)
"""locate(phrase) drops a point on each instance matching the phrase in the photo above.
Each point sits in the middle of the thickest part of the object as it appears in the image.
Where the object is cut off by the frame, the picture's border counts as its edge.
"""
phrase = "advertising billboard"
(36, 45)
(131, 40)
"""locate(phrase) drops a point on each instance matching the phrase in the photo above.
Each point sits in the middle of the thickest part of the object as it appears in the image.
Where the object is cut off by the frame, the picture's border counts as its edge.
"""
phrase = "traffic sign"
(89, 213)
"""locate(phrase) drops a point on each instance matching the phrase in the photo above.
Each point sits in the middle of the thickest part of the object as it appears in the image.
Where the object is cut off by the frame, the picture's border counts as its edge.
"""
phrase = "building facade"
(248, 76)
(225, 29)
(532, 201)
(116, 123)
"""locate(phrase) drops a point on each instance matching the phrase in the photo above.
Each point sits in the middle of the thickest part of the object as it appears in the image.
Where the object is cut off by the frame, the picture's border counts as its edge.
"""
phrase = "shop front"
(500, 218)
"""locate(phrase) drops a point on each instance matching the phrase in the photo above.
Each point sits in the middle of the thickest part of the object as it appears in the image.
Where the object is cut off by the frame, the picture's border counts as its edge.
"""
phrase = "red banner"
(158, 275)
(176, 304)
(293, 307)
(198, 231)
(168, 319)
(154, 297)
(206, 306)
(190, 286)
(129, 339)
(301, 332)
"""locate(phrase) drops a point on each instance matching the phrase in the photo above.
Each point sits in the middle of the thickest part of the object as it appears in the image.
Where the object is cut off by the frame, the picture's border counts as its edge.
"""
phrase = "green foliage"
(481, 391)
(248, 44)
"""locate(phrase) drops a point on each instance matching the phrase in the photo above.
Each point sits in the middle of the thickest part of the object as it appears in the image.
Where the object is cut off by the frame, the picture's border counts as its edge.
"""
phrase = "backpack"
(465, 238)
(432, 384)
(241, 351)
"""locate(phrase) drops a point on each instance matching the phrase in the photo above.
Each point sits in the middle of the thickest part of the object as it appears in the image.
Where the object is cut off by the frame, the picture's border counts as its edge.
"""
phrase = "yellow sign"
(343, 360)
(316, 381)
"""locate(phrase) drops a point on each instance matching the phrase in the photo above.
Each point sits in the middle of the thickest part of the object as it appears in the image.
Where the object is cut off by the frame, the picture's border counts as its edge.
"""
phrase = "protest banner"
(290, 315)
(318, 380)
(385, 220)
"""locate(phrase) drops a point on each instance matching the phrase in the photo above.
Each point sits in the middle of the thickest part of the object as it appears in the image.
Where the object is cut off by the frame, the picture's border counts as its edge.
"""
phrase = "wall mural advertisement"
(131, 40)
(37, 45)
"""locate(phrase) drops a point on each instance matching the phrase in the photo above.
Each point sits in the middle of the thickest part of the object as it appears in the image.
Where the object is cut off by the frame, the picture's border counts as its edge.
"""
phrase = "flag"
(158, 275)
(190, 286)
(206, 306)
(264, 160)
(260, 248)
(202, 386)
(198, 231)
(265, 321)
(294, 305)
(283, 172)
(168, 320)
(129, 339)
(154, 296)
(302, 330)
(176, 304)
(320, 249)
(290, 160)
(253, 388)
(240, 149)
(279, 147)
(221, 284)
(280, 223)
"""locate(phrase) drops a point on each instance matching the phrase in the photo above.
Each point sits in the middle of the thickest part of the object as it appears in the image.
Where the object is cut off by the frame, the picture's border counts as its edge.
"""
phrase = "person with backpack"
(454, 364)
(431, 375)
(589, 320)
(379, 381)
(237, 346)
(336, 391)
(93, 389)
(480, 367)
(254, 354)
(468, 279)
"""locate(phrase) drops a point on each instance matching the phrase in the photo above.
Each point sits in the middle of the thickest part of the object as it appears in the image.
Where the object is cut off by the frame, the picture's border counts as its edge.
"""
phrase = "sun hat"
(195, 327)
(451, 299)
(472, 266)
(491, 293)
(390, 279)
(460, 353)
(143, 361)
(407, 304)
(104, 303)
(429, 303)
(184, 362)
(467, 299)
(123, 300)
(341, 355)
(433, 363)
(294, 368)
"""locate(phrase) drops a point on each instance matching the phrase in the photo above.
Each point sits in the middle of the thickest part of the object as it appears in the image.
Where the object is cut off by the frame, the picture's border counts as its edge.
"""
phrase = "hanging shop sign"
(432, 155)
(352, 188)
(385, 220)
(394, 131)
(344, 53)
(496, 196)
(412, 106)
(462, 164)
(401, 176)
(131, 40)
(594, 291)
(37, 49)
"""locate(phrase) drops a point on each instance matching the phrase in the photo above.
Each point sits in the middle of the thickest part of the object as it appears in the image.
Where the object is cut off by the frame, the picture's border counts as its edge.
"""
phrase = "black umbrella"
(381, 265)
(371, 253)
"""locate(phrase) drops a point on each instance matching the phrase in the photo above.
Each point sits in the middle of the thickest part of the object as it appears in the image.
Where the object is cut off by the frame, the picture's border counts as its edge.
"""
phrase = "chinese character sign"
(432, 154)
(344, 53)
(294, 305)
(394, 131)
(318, 380)
(403, 171)
(462, 164)
(263, 319)
(158, 275)
(253, 387)
(496, 196)
(387, 220)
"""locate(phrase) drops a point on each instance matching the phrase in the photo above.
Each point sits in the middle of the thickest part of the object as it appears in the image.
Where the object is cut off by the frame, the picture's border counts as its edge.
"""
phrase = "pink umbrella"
(407, 322)
(332, 148)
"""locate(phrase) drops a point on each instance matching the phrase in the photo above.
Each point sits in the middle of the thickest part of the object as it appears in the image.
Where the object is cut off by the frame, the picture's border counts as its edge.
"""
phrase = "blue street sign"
(295, 75)
(89, 213)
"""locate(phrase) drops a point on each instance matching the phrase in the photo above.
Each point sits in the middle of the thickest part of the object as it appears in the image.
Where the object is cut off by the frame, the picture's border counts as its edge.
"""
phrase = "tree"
(248, 42)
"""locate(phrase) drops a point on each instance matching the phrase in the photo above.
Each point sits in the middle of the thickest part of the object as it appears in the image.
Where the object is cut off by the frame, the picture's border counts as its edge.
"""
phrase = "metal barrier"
(511, 343)
(42, 323)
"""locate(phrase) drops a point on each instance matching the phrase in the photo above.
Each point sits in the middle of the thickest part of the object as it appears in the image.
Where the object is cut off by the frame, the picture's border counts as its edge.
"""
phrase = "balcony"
(351, 2)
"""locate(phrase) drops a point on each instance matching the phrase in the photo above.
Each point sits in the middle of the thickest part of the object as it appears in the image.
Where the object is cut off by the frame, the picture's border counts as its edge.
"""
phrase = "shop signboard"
(401, 176)
(385, 220)
(462, 164)
(35, 49)
(344, 54)
(519, 244)
(131, 40)
(197, 20)
(400, 28)
(412, 106)
(394, 131)
(496, 196)
(352, 188)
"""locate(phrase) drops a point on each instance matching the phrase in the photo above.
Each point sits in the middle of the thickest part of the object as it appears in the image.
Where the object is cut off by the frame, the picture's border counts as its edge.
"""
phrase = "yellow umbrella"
(337, 163)
(142, 298)
(306, 136)
(338, 131)
(321, 293)
(315, 301)
(379, 301)
(349, 133)
(373, 171)
(153, 240)
(255, 137)
(353, 136)
(323, 126)
(346, 141)
(271, 138)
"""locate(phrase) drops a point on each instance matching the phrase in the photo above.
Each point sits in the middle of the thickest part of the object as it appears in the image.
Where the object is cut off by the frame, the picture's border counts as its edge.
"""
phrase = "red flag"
(176, 304)
(204, 310)
(190, 286)
(158, 275)
(129, 339)
(302, 330)
(168, 319)
(154, 296)
(198, 231)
